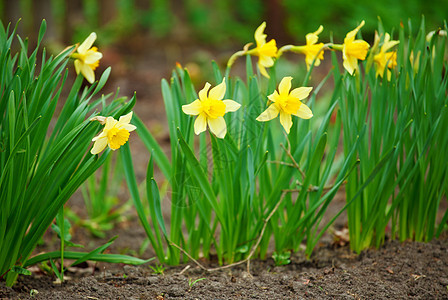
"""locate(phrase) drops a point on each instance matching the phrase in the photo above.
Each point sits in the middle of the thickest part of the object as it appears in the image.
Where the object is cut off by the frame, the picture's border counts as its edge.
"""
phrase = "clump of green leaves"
(231, 196)
(281, 259)
(400, 126)
(158, 269)
(42, 163)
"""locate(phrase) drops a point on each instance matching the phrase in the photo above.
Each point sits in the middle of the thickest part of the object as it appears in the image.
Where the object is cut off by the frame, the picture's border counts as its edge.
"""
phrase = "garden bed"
(395, 271)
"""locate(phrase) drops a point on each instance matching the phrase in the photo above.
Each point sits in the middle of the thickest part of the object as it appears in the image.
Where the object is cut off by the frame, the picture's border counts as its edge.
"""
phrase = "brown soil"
(396, 271)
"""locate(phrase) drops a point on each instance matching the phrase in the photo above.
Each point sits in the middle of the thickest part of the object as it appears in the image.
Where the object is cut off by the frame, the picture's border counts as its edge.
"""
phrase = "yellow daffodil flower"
(87, 58)
(385, 59)
(312, 49)
(266, 52)
(115, 134)
(287, 103)
(352, 50)
(210, 109)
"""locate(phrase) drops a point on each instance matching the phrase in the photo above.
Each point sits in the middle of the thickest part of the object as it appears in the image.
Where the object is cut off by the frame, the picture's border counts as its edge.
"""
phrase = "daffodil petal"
(386, 37)
(310, 58)
(194, 108)
(352, 34)
(110, 122)
(126, 118)
(389, 74)
(286, 121)
(301, 92)
(218, 127)
(218, 92)
(285, 85)
(88, 73)
(317, 62)
(260, 37)
(231, 105)
(304, 112)
(319, 30)
(99, 136)
(263, 70)
(200, 124)
(270, 113)
(87, 44)
(99, 145)
(391, 44)
(350, 64)
(203, 93)
(78, 66)
(387, 44)
(274, 96)
(266, 61)
(379, 72)
(311, 39)
(93, 57)
(128, 127)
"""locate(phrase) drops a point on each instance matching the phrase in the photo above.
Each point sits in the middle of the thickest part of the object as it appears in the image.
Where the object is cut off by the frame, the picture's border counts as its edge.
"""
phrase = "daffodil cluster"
(210, 108)
(352, 50)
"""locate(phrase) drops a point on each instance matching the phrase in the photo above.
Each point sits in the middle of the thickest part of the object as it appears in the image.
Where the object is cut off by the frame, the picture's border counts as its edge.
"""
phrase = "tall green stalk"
(42, 164)
(403, 119)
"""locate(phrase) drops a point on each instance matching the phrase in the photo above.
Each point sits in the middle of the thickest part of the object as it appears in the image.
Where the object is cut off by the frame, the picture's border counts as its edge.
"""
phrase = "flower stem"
(234, 57)
(337, 47)
(284, 49)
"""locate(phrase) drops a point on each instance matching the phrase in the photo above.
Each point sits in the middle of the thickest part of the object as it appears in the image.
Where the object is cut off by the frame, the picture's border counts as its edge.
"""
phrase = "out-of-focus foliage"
(213, 21)
(338, 15)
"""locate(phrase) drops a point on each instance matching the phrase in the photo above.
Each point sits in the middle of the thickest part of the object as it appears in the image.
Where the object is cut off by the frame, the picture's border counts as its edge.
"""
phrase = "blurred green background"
(214, 22)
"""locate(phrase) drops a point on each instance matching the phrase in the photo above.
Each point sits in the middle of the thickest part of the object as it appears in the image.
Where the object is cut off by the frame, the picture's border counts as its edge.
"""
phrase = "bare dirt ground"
(396, 271)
